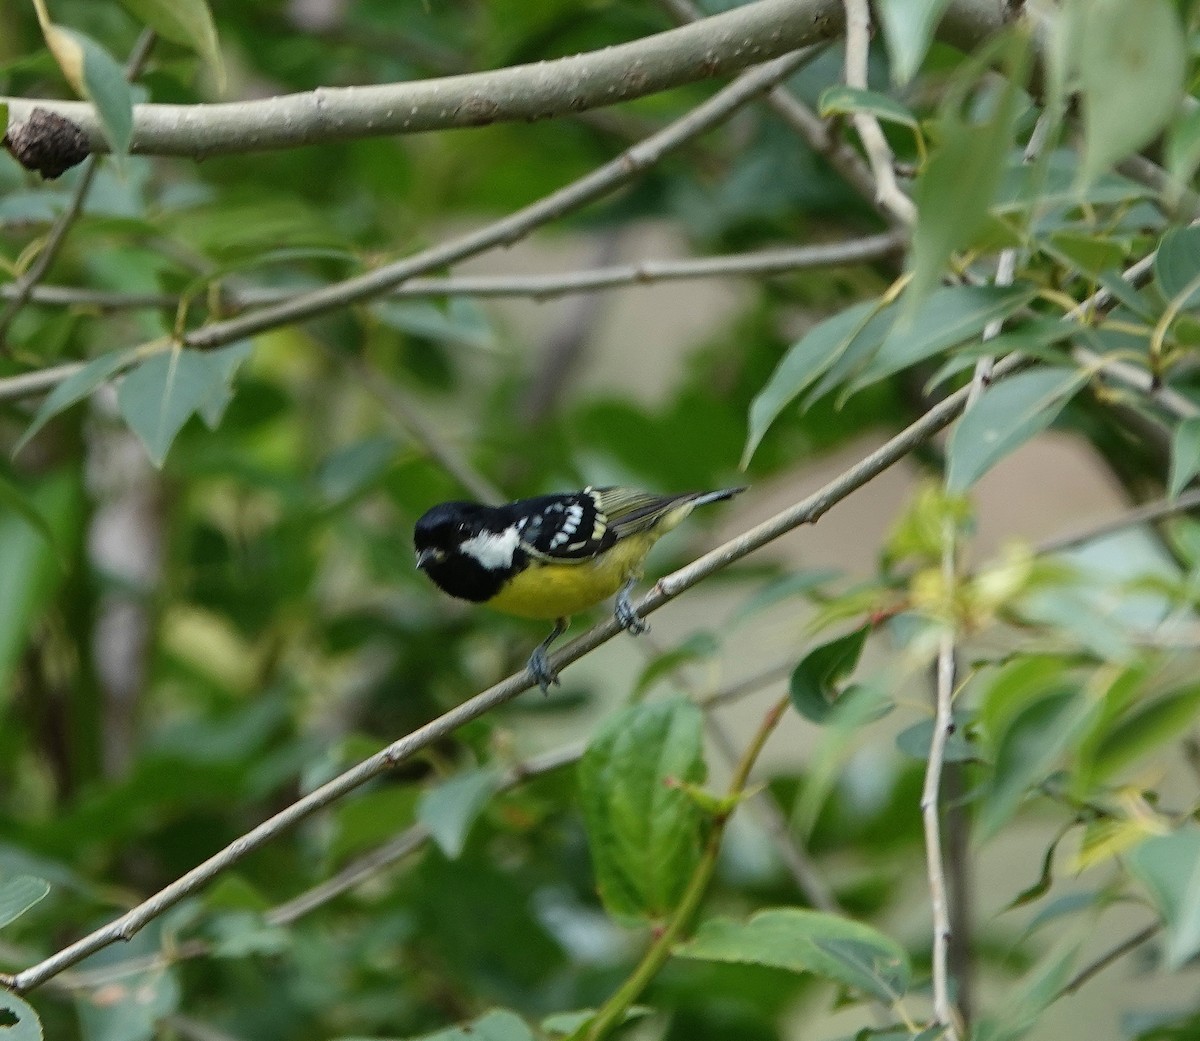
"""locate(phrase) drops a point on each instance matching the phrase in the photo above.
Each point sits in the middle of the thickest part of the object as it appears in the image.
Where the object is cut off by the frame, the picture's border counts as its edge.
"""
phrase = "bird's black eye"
(462, 527)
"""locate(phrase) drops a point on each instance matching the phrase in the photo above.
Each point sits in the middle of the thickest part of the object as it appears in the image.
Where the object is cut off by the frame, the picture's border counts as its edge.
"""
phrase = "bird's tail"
(704, 498)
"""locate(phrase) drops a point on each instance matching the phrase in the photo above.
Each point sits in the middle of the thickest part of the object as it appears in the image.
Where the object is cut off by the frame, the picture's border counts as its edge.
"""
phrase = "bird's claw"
(627, 616)
(540, 669)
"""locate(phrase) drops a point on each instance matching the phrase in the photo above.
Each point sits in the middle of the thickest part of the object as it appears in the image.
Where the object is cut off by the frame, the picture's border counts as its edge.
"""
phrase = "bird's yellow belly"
(558, 590)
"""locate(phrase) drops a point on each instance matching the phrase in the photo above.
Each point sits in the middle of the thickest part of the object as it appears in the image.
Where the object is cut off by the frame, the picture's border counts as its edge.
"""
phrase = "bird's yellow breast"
(545, 590)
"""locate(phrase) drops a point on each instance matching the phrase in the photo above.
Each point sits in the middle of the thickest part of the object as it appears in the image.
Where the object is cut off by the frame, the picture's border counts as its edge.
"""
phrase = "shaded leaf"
(948, 316)
(449, 809)
(815, 684)
(497, 1025)
(1006, 415)
(1183, 147)
(1147, 728)
(961, 179)
(16, 501)
(916, 740)
(18, 895)
(74, 388)
(1132, 57)
(1177, 264)
(95, 75)
(830, 946)
(804, 361)
(842, 100)
(643, 830)
(1027, 752)
(1168, 866)
(1020, 1009)
(186, 22)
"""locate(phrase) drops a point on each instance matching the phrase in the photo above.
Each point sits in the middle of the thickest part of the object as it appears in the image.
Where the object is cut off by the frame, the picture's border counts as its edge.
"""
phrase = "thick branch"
(720, 45)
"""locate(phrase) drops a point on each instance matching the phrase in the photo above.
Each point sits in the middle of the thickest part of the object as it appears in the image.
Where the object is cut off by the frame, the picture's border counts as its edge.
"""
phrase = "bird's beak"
(428, 556)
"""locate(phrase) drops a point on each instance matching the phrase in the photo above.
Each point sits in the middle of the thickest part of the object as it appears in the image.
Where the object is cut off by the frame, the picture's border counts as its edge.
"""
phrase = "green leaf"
(15, 500)
(644, 832)
(31, 572)
(1185, 456)
(961, 178)
(449, 809)
(167, 389)
(908, 27)
(815, 684)
(1146, 729)
(1168, 867)
(186, 22)
(1132, 58)
(18, 895)
(354, 467)
(18, 1021)
(1006, 415)
(804, 361)
(572, 1022)
(842, 100)
(1177, 264)
(497, 1025)
(1027, 752)
(916, 740)
(95, 75)
(826, 945)
(947, 317)
(1020, 1009)
(74, 388)
(1183, 147)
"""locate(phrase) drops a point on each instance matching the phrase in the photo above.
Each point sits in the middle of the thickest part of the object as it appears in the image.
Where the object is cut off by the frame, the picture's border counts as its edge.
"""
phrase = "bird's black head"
(439, 539)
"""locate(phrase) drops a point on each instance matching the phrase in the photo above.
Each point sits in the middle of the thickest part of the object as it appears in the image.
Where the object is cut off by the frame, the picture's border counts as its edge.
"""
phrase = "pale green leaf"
(815, 687)
(1183, 147)
(1168, 866)
(163, 393)
(97, 76)
(449, 809)
(497, 1025)
(1177, 265)
(18, 894)
(1132, 57)
(1006, 415)
(21, 1022)
(16, 501)
(908, 27)
(830, 946)
(1185, 456)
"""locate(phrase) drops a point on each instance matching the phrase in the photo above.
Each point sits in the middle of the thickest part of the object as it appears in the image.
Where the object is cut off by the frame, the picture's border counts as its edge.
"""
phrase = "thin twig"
(1130, 943)
(806, 511)
(24, 285)
(757, 264)
(1144, 514)
(879, 152)
(408, 414)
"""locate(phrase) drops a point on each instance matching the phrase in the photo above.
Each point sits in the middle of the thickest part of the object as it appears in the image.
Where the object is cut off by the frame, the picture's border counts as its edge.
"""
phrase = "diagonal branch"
(723, 44)
(806, 511)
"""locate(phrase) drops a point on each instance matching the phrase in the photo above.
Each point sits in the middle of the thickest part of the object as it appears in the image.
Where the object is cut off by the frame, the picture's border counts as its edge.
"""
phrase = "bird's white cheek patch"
(493, 550)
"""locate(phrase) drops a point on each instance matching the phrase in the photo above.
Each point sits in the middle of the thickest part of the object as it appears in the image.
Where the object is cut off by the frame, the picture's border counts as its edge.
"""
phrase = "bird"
(551, 556)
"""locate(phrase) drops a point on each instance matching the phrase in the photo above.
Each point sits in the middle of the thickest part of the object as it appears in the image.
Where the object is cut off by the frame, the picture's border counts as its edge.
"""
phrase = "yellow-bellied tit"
(551, 556)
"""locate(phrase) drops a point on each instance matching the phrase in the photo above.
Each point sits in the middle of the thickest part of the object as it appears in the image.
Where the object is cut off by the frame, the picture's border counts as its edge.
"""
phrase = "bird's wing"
(629, 512)
(566, 528)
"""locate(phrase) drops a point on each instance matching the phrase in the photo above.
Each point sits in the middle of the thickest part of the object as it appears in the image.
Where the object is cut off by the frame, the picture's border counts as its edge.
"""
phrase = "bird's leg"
(626, 614)
(539, 666)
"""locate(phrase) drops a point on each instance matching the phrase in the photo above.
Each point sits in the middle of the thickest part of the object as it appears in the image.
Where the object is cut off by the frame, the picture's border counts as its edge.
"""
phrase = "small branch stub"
(48, 143)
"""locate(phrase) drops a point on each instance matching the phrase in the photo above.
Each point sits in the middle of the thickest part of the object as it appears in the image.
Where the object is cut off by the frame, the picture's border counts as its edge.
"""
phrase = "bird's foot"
(626, 614)
(539, 665)
(540, 669)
